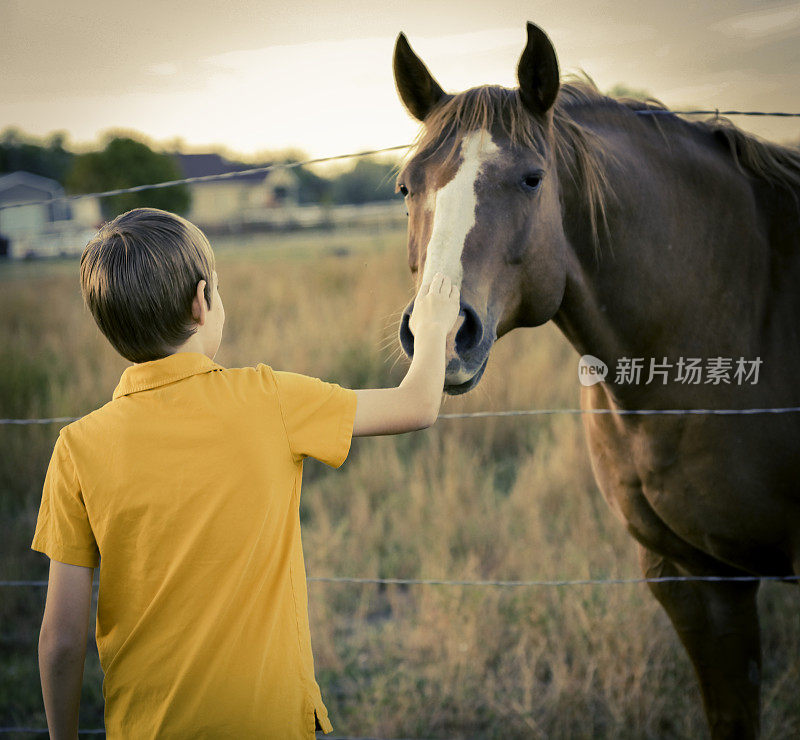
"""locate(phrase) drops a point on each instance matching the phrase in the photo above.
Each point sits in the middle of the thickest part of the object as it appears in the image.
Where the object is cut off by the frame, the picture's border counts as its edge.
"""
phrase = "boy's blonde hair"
(139, 275)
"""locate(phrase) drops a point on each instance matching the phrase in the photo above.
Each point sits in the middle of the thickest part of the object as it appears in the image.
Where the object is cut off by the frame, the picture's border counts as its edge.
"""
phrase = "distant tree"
(47, 158)
(126, 163)
(313, 187)
(368, 180)
(621, 90)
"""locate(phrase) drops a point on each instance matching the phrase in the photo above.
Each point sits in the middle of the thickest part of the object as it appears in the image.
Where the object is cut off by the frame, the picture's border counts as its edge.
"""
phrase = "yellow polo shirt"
(185, 490)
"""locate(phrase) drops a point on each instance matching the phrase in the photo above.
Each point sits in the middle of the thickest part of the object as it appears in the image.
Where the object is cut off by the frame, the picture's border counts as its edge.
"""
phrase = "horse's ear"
(415, 84)
(538, 72)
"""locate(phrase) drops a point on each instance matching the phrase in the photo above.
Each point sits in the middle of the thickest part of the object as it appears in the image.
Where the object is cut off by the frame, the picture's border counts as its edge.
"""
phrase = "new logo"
(591, 370)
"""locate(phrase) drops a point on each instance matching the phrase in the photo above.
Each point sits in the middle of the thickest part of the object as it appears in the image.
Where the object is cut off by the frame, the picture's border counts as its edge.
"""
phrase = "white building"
(43, 229)
(229, 203)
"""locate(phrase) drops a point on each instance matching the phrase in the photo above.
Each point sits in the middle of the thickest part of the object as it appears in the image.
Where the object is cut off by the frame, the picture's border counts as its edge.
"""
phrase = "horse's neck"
(687, 266)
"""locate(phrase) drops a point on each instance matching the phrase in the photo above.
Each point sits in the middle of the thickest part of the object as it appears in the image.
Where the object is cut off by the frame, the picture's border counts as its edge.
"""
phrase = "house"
(45, 228)
(224, 204)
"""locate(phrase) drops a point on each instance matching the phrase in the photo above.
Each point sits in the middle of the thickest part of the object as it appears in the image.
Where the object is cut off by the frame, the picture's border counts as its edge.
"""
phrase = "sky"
(264, 76)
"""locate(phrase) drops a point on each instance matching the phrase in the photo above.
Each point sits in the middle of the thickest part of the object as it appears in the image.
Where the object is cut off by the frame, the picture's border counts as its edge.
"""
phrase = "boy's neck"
(195, 343)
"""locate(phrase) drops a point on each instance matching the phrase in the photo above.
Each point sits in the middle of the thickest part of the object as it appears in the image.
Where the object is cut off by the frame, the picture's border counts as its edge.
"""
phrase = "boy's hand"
(437, 307)
(414, 404)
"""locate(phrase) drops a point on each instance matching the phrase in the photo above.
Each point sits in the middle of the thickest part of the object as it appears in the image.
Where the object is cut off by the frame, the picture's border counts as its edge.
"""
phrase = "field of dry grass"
(469, 499)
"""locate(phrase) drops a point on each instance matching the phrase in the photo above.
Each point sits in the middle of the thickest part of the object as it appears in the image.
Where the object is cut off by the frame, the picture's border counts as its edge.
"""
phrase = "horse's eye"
(403, 189)
(531, 182)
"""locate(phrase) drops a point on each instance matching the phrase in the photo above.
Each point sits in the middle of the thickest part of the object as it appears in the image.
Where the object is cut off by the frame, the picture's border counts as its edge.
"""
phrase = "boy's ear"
(199, 305)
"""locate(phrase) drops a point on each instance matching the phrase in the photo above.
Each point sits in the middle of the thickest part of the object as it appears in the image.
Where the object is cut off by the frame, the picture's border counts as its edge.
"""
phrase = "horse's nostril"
(469, 335)
(406, 337)
(471, 332)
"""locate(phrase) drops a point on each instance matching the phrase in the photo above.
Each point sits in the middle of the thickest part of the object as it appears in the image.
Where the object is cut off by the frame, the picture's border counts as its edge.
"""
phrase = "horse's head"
(483, 202)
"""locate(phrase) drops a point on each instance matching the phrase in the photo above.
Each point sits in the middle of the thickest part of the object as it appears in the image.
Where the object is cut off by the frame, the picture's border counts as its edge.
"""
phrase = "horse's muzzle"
(468, 347)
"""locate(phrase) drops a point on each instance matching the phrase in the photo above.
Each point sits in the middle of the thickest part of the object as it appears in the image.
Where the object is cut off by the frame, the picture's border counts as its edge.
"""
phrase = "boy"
(185, 490)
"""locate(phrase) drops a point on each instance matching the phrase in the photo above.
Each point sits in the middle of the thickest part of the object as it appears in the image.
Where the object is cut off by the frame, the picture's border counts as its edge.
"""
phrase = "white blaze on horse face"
(454, 210)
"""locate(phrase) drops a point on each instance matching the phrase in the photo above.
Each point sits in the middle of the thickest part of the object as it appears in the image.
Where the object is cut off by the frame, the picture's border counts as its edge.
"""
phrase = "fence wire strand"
(500, 584)
(319, 160)
(715, 112)
(45, 731)
(205, 178)
(517, 412)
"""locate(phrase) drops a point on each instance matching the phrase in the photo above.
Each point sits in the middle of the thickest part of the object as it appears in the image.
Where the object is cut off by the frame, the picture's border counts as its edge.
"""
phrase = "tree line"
(127, 161)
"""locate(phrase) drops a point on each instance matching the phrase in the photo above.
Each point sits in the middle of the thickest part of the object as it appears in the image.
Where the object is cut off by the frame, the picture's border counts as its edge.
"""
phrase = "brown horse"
(641, 235)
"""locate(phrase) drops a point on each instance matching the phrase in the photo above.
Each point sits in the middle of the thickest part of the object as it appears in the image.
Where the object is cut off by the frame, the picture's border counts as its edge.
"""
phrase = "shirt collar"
(146, 375)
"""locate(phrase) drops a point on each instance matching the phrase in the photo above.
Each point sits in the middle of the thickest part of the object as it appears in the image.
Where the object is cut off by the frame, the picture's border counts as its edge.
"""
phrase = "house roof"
(28, 180)
(201, 165)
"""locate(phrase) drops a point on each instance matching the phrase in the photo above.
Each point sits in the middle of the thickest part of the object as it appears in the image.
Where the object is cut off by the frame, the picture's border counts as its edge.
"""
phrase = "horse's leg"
(717, 623)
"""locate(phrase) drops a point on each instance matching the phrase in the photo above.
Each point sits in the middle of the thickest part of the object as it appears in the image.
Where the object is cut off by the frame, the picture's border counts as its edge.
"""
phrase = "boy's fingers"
(441, 284)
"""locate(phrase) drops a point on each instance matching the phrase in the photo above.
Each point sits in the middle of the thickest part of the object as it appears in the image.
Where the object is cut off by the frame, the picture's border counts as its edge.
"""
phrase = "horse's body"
(640, 236)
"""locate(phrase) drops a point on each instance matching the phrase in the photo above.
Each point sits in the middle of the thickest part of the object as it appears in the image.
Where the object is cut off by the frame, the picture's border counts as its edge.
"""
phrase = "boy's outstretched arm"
(62, 645)
(414, 404)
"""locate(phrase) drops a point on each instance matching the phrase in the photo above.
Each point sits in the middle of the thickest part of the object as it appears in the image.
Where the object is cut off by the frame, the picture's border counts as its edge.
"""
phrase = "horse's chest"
(635, 467)
(686, 484)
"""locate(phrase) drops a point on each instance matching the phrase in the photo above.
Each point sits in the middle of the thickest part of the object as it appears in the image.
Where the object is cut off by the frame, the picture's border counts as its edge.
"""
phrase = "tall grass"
(482, 499)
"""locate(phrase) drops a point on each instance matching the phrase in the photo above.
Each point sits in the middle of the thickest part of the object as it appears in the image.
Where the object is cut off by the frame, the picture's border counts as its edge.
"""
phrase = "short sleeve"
(318, 417)
(63, 532)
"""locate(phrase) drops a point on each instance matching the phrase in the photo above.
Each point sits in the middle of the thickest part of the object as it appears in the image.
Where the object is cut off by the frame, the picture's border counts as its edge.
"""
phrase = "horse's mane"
(578, 148)
(772, 162)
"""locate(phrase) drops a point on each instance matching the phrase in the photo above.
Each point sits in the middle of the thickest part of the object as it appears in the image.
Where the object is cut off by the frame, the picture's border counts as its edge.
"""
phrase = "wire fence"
(499, 584)
(45, 731)
(518, 412)
(320, 160)
(40, 731)
(715, 112)
(205, 178)
(465, 415)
